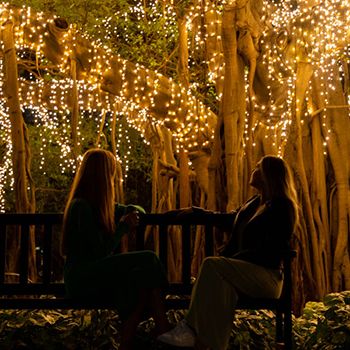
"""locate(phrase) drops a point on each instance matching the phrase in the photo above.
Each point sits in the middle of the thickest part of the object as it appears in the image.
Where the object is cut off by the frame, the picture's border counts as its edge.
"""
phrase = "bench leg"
(279, 327)
(288, 335)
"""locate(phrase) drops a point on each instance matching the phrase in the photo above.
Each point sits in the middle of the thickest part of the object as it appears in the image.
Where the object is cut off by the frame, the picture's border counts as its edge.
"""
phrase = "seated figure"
(250, 263)
(93, 226)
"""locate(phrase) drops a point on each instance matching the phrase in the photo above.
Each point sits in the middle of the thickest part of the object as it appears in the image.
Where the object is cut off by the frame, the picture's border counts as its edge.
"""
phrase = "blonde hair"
(94, 182)
(278, 181)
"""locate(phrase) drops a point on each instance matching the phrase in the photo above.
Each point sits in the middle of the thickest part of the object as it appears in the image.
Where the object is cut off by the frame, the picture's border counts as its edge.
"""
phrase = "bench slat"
(47, 258)
(186, 254)
(209, 240)
(2, 252)
(31, 219)
(24, 254)
(163, 245)
(34, 289)
(64, 303)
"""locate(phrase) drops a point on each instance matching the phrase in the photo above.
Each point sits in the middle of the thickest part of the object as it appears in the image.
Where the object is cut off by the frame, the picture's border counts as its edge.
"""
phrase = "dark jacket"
(259, 237)
(86, 242)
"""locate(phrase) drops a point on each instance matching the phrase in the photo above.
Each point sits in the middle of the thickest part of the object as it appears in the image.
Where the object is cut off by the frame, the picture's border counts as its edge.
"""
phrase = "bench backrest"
(24, 224)
(188, 227)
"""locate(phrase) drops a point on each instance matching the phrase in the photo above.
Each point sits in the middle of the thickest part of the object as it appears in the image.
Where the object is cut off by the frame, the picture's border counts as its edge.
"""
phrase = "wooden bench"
(49, 293)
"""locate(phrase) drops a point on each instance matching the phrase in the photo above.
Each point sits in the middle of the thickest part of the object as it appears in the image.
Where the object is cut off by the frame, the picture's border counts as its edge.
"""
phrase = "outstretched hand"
(179, 212)
(185, 211)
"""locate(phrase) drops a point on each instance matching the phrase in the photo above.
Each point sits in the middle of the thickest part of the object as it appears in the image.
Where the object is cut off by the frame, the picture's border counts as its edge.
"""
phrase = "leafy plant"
(323, 325)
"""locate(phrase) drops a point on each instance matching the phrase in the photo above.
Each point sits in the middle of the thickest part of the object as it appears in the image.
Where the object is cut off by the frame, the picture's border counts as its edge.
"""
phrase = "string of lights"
(318, 35)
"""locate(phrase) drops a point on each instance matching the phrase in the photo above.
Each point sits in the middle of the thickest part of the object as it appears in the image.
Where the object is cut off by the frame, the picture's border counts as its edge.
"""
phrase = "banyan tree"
(280, 72)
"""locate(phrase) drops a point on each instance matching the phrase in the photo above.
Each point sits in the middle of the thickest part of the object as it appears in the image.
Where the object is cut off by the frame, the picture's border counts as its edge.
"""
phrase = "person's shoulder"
(79, 202)
(280, 203)
(254, 198)
(251, 202)
(79, 205)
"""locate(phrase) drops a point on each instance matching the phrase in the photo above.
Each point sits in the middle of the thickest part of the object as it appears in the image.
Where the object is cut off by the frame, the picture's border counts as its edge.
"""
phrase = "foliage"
(51, 185)
(81, 12)
(323, 325)
(138, 183)
(53, 173)
(142, 32)
(253, 329)
(57, 329)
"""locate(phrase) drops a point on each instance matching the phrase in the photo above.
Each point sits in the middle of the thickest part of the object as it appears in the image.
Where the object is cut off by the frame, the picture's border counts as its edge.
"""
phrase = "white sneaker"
(182, 336)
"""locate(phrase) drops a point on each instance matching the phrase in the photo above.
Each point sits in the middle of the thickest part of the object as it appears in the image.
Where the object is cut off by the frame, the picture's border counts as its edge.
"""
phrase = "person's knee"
(150, 257)
(209, 263)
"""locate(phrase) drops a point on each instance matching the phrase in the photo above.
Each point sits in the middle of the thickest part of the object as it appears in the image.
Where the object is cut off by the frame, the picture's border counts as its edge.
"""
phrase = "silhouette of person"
(92, 229)
(250, 263)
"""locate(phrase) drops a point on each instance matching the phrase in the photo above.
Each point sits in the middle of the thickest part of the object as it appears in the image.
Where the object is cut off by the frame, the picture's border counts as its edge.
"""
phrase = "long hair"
(278, 181)
(94, 182)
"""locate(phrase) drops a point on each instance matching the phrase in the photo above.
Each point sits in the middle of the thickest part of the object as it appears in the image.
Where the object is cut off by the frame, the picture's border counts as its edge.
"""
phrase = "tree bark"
(294, 154)
(233, 108)
(20, 151)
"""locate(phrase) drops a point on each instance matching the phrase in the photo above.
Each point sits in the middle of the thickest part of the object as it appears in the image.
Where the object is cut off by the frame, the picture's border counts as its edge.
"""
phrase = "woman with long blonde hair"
(93, 226)
(250, 263)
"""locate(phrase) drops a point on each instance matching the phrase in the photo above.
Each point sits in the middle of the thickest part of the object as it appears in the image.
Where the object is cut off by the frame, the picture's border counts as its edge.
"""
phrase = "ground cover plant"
(322, 325)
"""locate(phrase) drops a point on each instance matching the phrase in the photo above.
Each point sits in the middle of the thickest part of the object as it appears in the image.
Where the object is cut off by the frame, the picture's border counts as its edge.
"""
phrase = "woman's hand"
(131, 219)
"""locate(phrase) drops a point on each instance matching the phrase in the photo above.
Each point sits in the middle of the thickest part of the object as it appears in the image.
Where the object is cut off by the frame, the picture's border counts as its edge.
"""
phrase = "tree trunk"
(20, 151)
(233, 108)
(295, 157)
(182, 68)
(339, 151)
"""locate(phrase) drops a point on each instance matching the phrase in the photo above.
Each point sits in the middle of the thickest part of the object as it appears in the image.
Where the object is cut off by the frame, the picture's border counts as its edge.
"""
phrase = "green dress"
(93, 271)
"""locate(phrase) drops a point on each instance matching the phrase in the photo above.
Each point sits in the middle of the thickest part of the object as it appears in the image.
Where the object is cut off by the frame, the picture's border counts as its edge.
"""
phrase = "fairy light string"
(316, 34)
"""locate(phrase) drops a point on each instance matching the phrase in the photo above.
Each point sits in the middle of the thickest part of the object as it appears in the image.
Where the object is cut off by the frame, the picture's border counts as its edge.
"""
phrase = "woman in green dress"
(93, 226)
